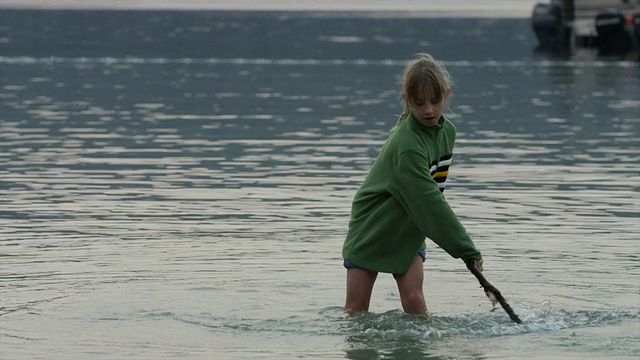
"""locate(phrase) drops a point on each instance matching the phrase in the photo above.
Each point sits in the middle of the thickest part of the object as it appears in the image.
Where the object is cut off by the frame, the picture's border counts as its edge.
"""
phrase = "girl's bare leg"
(410, 287)
(359, 288)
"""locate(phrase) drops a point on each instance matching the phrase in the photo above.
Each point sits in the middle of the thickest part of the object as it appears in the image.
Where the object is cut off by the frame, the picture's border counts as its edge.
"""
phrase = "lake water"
(178, 185)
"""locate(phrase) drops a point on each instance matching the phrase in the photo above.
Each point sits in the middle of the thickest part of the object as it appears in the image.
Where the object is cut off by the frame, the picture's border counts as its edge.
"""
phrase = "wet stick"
(491, 290)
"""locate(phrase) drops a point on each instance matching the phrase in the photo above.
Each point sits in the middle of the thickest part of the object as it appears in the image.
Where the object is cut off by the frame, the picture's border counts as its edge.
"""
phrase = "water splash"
(397, 324)
(483, 324)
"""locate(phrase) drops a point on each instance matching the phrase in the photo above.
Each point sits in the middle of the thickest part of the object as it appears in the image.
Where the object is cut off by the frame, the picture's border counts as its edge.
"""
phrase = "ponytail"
(402, 116)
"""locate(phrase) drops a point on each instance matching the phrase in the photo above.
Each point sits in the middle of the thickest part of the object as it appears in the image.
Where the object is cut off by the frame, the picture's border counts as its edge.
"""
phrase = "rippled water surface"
(163, 200)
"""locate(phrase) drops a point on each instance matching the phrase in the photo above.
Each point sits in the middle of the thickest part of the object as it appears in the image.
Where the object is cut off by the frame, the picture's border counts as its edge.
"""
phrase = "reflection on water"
(143, 198)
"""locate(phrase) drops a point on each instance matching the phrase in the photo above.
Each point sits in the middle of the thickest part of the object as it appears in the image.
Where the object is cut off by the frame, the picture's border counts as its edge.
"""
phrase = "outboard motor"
(550, 30)
(613, 38)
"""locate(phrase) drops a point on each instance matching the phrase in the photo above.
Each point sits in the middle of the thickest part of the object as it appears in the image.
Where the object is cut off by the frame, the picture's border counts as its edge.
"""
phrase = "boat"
(610, 26)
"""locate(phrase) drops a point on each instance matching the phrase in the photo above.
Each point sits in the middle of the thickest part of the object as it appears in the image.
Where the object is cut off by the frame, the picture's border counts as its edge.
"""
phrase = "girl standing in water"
(400, 202)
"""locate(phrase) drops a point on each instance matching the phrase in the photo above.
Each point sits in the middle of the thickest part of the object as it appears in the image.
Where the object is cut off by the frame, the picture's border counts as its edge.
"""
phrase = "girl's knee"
(414, 303)
(414, 297)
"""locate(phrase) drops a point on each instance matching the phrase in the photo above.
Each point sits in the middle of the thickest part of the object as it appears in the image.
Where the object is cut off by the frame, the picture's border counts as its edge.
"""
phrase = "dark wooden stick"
(488, 288)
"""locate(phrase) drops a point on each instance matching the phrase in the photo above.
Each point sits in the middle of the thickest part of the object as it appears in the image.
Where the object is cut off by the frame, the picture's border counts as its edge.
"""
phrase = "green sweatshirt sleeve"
(412, 186)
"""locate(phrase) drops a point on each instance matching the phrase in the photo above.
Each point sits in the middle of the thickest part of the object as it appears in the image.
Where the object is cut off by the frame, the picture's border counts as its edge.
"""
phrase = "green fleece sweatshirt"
(400, 203)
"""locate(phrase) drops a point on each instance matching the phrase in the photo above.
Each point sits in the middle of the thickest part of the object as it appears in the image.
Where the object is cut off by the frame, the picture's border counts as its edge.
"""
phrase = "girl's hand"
(477, 264)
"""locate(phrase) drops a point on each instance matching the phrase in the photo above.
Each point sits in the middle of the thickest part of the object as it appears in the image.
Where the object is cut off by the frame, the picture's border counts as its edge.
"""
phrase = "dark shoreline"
(321, 14)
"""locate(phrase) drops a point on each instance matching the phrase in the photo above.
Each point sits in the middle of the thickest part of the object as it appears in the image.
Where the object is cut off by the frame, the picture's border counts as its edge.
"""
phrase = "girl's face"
(427, 109)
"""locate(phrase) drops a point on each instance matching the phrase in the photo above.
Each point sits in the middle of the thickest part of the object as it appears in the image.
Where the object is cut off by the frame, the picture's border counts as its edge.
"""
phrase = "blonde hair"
(423, 71)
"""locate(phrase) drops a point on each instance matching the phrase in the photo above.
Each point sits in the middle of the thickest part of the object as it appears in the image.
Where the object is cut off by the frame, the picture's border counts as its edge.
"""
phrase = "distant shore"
(424, 8)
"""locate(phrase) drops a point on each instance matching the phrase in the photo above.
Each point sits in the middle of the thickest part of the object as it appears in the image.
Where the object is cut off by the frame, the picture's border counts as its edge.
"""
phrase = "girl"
(400, 203)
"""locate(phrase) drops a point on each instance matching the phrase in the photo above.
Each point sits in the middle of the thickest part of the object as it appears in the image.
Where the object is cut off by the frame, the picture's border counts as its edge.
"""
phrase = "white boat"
(611, 26)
